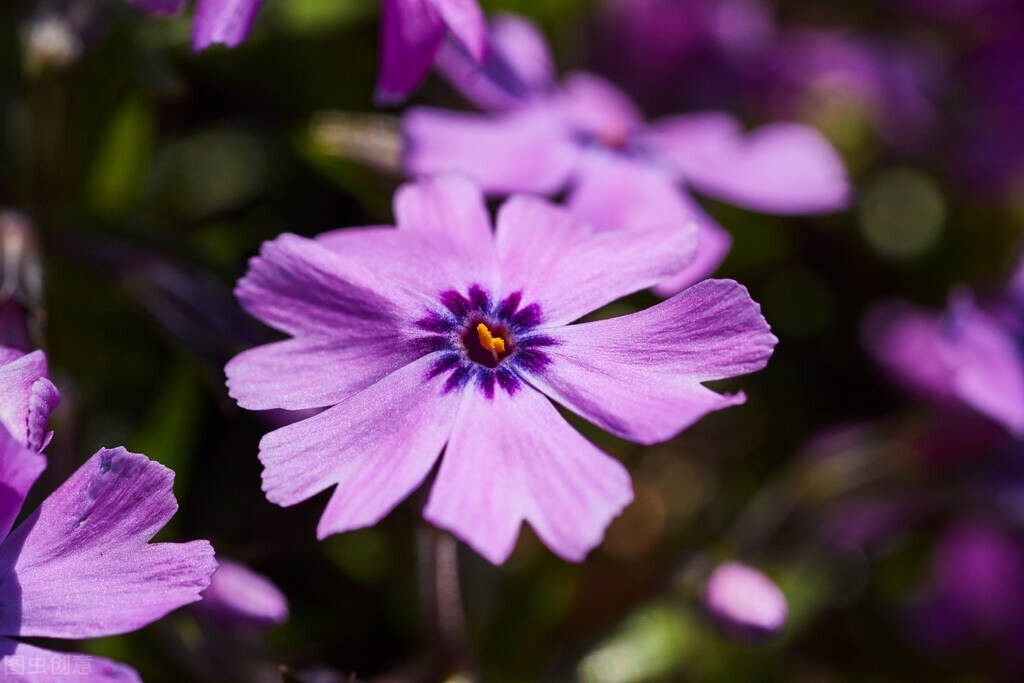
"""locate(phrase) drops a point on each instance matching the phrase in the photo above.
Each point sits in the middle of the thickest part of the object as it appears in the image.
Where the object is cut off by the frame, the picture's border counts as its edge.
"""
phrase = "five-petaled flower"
(587, 135)
(412, 33)
(446, 334)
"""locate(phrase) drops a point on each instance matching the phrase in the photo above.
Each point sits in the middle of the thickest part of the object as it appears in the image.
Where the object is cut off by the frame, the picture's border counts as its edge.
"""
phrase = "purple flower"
(82, 566)
(27, 397)
(894, 84)
(972, 353)
(745, 602)
(412, 33)
(444, 332)
(239, 597)
(974, 594)
(589, 136)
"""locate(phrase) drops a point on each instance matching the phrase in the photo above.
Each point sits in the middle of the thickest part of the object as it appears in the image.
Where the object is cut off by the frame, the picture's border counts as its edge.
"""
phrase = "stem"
(442, 599)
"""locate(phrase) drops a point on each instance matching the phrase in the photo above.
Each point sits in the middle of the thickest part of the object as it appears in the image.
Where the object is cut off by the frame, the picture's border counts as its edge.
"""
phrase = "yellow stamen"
(495, 345)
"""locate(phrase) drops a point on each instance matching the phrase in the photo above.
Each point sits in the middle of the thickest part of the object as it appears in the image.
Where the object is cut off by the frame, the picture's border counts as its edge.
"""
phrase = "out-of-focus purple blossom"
(651, 46)
(82, 566)
(621, 172)
(238, 597)
(972, 353)
(27, 397)
(447, 334)
(894, 85)
(412, 33)
(745, 602)
(991, 140)
(974, 594)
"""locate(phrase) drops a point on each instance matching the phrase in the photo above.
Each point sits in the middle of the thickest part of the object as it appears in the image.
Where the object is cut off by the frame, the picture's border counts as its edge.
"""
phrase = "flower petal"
(416, 259)
(617, 193)
(303, 288)
(557, 260)
(513, 459)
(449, 214)
(377, 446)
(24, 663)
(82, 566)
(240, 597)
(517, 67)
(521, 151)
(911, 345)
(222, 22)
(19, 469)
(467, 24)
(783, 168)
(303, 373)
(593, 105)
(638, 376)
(989, 365)
(411, 33)
(26, 398)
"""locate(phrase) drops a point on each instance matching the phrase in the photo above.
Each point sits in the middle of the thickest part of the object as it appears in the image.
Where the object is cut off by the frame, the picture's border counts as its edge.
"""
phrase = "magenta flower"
(82, 566)
(27, 397)
(412, 33)
(971, 354)
(588, 136)
(444, 332)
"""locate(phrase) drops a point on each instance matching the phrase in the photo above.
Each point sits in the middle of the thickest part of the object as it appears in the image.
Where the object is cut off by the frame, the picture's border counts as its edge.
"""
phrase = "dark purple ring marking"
(452, 331)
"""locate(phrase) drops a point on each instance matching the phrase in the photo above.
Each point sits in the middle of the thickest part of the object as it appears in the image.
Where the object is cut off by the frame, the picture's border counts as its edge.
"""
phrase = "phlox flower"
(81, 565)
(445, 334)
(412, 33)
(586, 135)
(972, 354)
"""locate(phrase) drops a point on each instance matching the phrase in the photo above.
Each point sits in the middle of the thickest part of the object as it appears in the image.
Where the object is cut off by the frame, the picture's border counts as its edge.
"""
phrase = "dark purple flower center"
(487, 342)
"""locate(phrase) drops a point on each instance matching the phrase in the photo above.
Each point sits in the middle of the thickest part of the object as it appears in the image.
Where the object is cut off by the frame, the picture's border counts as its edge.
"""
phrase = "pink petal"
(449, 214)
(304, 288)
(82, 565)
(513, 459)
(411, 35)
(21, 662)
(238, 596)
(618, 193)
(911, 345)
(313, 372)
(989, 365)
(522, 151)
(417, 258)
(593, 105)
(782, 168)
(557, 260)
(19, 469)
(377, 446)
(638, 376)
(223, 22)
(26, 398)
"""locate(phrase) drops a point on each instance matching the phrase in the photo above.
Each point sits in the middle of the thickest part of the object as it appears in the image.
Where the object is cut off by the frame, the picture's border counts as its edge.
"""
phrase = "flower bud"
(745, 602)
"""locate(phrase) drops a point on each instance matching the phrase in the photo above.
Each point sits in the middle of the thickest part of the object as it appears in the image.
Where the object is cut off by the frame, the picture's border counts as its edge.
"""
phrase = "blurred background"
(146, 176)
